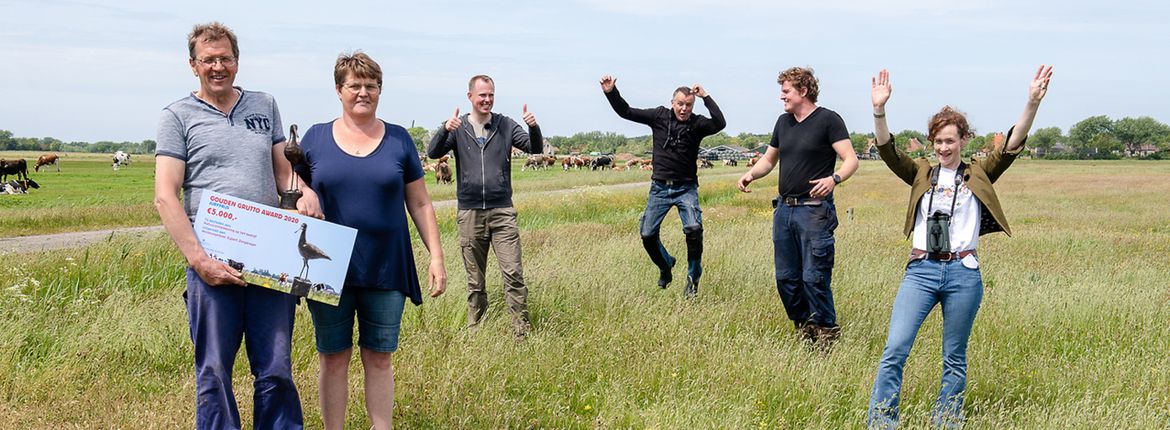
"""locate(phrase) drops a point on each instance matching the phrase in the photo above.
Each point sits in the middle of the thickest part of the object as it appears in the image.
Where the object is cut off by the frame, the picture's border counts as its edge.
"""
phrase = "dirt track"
(49, 242)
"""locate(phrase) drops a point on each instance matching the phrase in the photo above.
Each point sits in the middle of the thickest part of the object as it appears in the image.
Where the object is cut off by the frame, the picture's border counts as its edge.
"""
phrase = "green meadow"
(1073, 331)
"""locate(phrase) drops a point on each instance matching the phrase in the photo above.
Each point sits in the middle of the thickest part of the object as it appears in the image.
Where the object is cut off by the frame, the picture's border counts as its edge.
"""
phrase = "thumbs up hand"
(453, 123)
(528, 117)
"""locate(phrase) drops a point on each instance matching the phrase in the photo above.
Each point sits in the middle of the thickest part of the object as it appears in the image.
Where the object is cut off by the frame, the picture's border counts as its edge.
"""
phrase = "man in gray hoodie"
(483, 143)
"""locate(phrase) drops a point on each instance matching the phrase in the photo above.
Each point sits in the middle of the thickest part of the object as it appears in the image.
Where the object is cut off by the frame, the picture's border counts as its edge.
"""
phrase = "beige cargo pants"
(479, 229)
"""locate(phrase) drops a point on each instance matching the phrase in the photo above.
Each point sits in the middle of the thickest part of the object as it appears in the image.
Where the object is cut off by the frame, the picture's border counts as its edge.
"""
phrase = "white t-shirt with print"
(964, 222)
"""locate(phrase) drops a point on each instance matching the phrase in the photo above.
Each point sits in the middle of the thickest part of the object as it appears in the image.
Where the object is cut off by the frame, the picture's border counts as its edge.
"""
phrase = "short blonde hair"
(485, 78)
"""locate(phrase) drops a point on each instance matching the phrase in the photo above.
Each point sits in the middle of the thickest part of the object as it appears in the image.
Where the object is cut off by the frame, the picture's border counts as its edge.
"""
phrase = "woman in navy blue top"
(367, 175)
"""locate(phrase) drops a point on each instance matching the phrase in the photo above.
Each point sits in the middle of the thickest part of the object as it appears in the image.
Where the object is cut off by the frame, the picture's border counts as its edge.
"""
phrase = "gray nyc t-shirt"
(226, 153)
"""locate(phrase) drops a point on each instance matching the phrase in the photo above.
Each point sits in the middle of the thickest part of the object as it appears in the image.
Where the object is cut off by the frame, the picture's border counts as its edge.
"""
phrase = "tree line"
(1097, 137)
(8, 142)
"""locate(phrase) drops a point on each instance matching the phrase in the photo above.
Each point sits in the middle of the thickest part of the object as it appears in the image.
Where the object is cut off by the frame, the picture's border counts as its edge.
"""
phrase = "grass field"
(1073, 331)
(88, 195)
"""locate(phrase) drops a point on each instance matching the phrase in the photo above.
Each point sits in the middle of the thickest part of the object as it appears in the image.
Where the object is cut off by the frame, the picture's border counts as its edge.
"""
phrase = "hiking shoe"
(664, 276)
(825, 337)
(520, 328)
(692, 288)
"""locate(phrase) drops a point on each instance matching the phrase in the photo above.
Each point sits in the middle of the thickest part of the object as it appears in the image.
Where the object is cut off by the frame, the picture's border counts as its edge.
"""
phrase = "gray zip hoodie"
(484, 173)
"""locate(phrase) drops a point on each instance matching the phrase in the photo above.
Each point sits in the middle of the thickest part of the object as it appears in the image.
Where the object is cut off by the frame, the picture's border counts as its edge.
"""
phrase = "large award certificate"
(276, 249)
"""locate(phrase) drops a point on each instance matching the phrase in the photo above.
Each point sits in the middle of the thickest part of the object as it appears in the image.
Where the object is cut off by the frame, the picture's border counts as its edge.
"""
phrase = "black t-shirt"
(806, 149)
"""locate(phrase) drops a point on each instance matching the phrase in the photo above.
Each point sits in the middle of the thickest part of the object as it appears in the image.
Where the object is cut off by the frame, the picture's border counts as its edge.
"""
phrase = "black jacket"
(484, 173)
(676, 143)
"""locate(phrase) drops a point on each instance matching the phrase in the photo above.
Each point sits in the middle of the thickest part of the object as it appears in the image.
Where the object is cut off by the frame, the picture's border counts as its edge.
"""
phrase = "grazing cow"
(633, 162)
(442, 172)
(705, 163)
(46, 160)
(121, 158)
(730, 162)
(539, 162)
(17, 167)
(647, 167)
(602, 162)
(753, 161)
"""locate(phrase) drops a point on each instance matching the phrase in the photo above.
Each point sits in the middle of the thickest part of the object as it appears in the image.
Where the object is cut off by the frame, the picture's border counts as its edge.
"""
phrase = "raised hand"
(698, 91)
(607, 83)
(528, 117)
(881, 88)
(1039, 87)
(453, 123)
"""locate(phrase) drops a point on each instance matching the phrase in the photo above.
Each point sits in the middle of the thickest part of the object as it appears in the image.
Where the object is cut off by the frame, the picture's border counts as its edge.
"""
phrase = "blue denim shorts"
(379, 315)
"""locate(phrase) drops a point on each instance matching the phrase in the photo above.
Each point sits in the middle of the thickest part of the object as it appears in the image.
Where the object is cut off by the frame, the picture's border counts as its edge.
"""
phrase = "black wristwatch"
(837, 179)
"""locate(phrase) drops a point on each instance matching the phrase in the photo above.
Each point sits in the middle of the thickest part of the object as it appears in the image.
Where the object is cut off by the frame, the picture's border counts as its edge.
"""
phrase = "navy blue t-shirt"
(369, 194)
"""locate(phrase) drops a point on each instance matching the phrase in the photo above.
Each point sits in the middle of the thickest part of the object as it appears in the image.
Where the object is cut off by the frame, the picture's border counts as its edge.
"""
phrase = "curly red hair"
(949, 116)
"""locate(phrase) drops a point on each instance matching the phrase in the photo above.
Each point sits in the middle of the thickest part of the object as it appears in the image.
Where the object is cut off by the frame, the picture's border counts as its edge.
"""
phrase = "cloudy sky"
(102, 70)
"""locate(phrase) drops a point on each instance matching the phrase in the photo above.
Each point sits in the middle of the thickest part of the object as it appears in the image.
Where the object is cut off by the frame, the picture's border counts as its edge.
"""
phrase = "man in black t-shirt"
(806, 142)
(677, 132)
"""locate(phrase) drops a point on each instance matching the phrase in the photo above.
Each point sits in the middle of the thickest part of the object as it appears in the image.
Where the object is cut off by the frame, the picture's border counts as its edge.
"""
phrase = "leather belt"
(671, 183)
(800, 201)
(919, 254)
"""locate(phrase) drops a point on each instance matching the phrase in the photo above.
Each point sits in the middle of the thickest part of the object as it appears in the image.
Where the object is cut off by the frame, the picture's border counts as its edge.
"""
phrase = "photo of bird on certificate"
(276, 249)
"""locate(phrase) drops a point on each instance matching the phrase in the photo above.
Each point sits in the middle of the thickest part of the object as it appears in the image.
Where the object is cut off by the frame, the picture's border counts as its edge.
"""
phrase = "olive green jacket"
(979, 175)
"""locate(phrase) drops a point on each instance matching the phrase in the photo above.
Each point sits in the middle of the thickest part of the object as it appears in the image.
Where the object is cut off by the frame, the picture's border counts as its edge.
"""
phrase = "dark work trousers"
(220, 319)
(802, 238)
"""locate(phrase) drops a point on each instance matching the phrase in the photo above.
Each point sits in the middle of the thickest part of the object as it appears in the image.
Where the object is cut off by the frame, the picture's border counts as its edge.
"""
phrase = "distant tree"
(1082, 134)
(860, 141)
(421, 138)
(1045, 138)
(1134, 132)
(1104, 144)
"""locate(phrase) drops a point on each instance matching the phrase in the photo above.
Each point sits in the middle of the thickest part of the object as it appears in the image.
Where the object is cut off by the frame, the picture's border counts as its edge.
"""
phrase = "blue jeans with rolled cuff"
(958, 290)
(664, 196)
(803, 252)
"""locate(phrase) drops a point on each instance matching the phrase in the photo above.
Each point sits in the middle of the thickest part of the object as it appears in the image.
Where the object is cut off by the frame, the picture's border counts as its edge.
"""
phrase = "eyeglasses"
(211, 61)
(356, 88)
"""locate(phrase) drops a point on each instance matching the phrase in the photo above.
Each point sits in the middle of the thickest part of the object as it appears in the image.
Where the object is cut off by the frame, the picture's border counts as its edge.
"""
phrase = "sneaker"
(665, 276)
(692, 288)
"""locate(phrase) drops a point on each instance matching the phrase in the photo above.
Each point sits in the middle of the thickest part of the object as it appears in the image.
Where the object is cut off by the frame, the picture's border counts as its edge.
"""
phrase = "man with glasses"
(677, 133)
(483, 142)
(229, 140)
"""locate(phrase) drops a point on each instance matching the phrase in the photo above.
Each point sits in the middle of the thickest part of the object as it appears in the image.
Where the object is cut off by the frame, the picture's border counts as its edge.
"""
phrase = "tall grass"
(1072, 332)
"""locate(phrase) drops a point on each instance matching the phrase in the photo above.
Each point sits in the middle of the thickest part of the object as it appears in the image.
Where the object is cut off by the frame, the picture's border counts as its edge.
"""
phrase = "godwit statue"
(295, 156)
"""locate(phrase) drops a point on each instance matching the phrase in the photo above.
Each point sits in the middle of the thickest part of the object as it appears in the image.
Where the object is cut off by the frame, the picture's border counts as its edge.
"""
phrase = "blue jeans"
(220, 318)
(379, 315)
(802, 239)
(928, 282)
(662, 197)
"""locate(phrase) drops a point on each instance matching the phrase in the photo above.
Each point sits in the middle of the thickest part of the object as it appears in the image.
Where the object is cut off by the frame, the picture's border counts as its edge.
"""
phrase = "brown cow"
(17, 167)
(753, 161)
(442, 172)
(46, 160)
